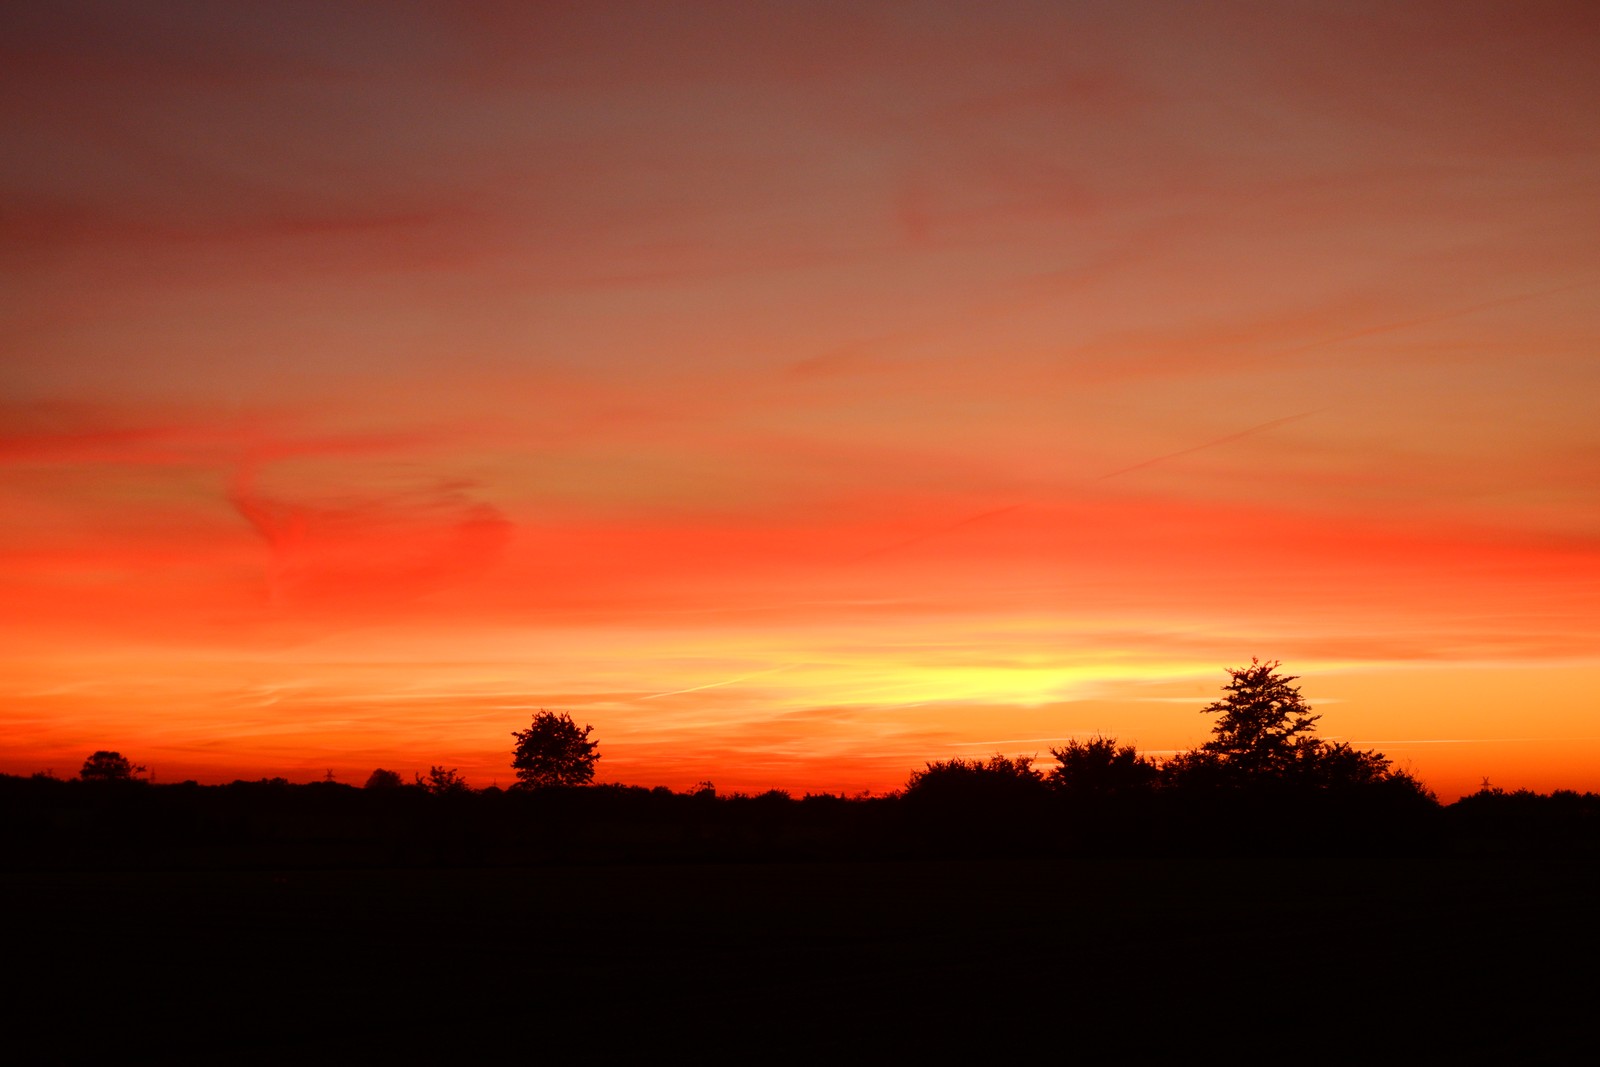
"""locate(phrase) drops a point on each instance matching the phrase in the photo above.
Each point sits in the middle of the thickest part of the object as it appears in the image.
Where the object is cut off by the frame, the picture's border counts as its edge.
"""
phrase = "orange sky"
(796, 392)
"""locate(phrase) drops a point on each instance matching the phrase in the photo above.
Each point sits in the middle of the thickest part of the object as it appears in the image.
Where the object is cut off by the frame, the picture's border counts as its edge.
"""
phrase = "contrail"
(1011, 741)
(1439, 316)
(940, 532)
(1212, 444)
(725, 681)
(1469, 740)
(1369, 331)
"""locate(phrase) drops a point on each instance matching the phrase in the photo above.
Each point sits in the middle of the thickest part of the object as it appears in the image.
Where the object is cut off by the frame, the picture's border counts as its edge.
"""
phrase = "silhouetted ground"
(1466, 957)
(263, 922)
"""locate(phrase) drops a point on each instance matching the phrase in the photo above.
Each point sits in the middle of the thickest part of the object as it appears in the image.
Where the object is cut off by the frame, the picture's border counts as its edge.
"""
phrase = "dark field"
(1465, 958)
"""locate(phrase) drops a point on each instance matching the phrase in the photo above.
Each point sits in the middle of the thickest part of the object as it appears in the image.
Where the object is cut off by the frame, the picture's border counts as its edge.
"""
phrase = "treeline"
(48, 822)
(272, 822)
(1264, 783)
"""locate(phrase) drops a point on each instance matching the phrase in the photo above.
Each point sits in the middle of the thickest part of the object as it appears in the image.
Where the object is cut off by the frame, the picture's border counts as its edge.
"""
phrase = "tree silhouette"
(1263, 725)
(1265, 734)
(554, 750)
(384, 779)
(106, 766)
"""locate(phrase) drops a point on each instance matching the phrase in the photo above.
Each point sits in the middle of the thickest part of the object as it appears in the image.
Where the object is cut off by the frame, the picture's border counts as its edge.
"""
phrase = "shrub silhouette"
(975, 781)
(973, 807)
(554, 750)
(1099, 767)
(383, 779)
(441, 782)
(106, 766)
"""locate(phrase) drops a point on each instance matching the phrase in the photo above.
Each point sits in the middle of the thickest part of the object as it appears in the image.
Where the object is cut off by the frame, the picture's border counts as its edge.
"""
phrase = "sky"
(795, 392)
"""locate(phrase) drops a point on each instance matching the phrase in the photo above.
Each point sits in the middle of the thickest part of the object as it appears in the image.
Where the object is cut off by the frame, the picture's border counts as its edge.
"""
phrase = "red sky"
(796, 392)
